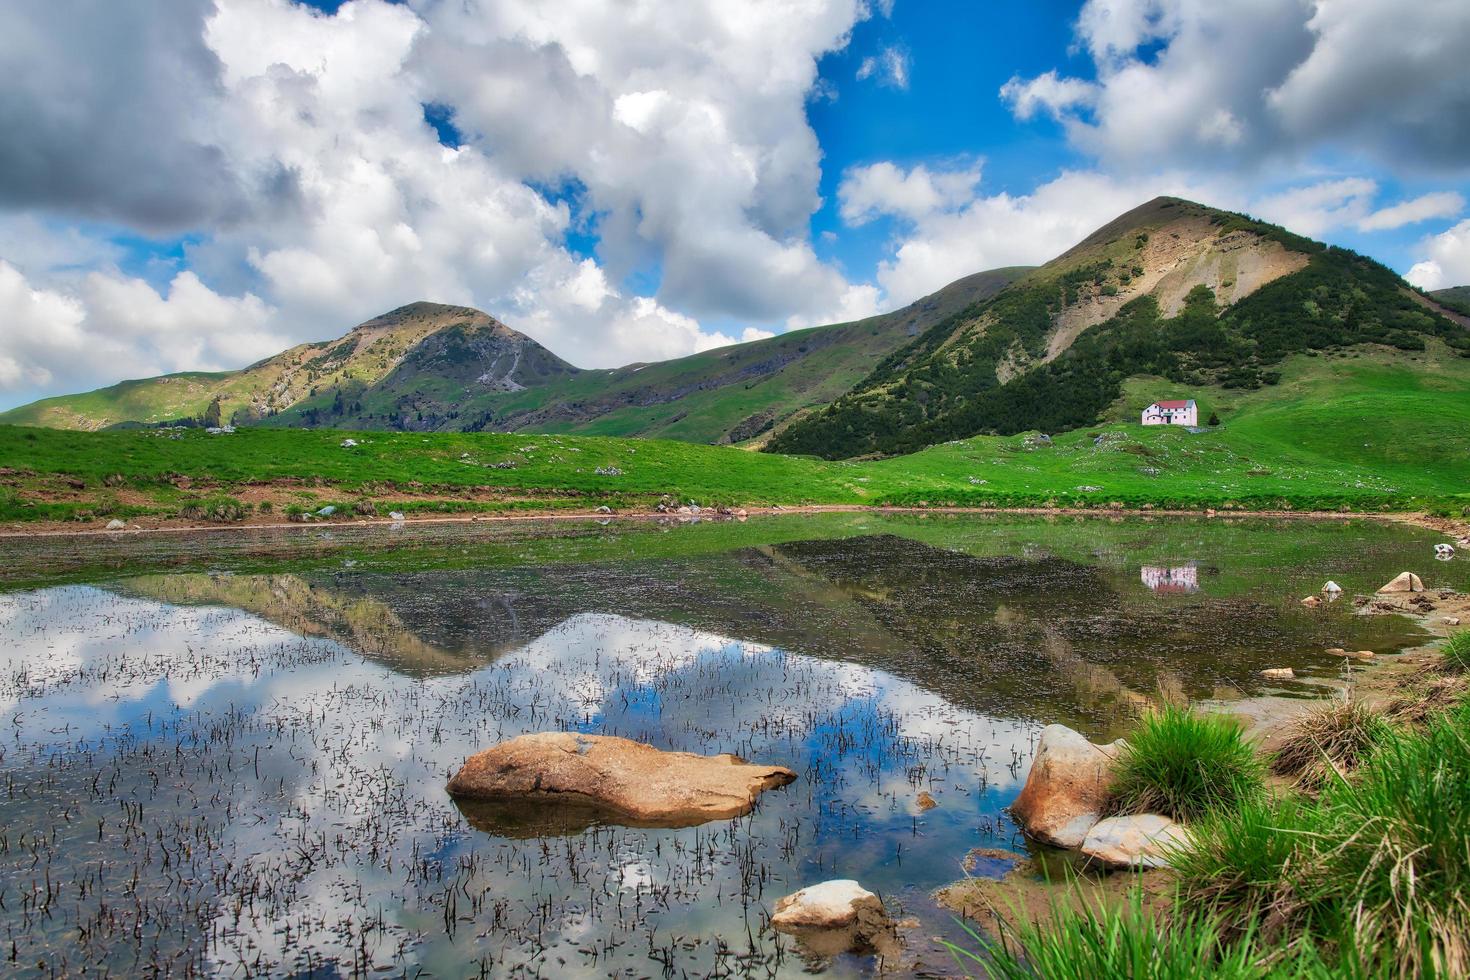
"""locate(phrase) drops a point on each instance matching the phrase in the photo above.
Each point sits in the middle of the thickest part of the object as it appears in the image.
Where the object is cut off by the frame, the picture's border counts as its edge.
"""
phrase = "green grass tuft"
(1185, 765)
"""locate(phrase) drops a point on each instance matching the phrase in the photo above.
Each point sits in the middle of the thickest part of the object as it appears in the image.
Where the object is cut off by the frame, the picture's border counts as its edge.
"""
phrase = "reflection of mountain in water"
(997, 635)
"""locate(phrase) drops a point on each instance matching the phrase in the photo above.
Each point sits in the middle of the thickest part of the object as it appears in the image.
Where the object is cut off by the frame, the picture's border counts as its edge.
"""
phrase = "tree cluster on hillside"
(935, 390)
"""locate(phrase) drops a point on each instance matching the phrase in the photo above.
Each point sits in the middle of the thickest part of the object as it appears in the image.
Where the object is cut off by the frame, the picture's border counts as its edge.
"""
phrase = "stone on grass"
(629, 780)
(1404, 582)
(1133, 842)
(1278, 673)
(1331, 588)
(1311, 601)
(1066, 787)
(116, 525)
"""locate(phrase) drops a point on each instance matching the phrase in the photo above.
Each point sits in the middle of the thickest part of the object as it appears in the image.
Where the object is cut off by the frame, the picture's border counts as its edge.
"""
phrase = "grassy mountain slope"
(1198, 296)
(1456, 298)
(427, 367)
(725, 395)
(1367, 428)
(412, 338)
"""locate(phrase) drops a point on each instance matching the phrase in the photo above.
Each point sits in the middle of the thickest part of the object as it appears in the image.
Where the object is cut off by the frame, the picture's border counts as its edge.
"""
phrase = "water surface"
(226, 753)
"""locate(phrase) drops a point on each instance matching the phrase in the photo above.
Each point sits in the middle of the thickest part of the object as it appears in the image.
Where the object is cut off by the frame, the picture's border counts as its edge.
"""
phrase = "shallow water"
(226, 753)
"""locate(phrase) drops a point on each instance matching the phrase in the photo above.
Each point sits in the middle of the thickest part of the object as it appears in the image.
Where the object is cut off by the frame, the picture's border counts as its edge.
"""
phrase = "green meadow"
(1362, 429)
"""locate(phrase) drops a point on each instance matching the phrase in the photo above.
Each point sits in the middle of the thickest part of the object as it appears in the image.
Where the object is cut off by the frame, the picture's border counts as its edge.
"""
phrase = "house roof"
(1176, 404)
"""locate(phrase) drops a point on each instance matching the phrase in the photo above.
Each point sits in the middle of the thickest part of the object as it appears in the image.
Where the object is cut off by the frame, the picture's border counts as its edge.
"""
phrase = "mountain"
(445, 368)
(1171, 289)
(457, 342)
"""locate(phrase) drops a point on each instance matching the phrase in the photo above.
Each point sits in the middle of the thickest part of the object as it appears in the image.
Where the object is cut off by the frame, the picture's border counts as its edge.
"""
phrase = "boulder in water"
(631, 781)
(835, 917)
(1404, 582)
(1066, 787)
(1278, 673)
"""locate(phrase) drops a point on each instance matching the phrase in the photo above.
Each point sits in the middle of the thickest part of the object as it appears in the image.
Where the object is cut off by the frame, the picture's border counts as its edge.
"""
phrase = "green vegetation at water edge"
(1184, 765)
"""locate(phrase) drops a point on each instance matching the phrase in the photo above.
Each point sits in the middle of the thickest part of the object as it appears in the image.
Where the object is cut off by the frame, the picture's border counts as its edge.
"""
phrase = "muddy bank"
(155, 524)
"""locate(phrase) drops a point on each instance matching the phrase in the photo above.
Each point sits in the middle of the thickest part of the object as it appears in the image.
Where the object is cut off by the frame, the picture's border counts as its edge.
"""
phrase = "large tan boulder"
(1066, 788)
(1133, 842)
(627, 779)
(1404, 582)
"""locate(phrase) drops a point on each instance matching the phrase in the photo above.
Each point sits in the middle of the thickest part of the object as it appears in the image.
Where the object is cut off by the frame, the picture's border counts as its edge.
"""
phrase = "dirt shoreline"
(1448, 526)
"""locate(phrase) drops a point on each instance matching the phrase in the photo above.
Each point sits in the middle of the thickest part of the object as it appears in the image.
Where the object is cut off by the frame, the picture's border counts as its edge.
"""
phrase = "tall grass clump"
(1184, 765)
(1377, 870)
(1126, 939)
(1456, 652)
(1329, 742)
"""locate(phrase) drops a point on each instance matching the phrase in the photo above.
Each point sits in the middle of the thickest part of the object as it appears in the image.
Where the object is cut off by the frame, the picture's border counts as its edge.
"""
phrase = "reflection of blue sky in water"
(348, 822)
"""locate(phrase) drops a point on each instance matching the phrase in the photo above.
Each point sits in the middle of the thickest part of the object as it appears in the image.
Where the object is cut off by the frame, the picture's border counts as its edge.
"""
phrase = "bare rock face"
(1404, 582)
(1133, 842)
(836, 916)
(1066, 788)
(629, 780)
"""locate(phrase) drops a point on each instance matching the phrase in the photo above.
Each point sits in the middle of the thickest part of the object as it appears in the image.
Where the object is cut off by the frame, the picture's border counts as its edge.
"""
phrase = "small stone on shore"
(1133, 842)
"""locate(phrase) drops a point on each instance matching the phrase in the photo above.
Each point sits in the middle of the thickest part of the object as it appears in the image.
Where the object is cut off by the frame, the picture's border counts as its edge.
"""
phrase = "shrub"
(1184, 765)
(1329, 741)
(365, 508)
(218, 509)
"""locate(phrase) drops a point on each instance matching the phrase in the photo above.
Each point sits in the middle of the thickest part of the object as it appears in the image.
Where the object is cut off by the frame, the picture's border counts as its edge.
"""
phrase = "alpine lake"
(224, 752)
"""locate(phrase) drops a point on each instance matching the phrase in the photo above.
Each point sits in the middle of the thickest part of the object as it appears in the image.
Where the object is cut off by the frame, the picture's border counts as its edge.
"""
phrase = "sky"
(200, 184)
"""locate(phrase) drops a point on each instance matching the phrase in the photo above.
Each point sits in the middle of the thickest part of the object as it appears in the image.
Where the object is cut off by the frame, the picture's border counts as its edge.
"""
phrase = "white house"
(1171, 413)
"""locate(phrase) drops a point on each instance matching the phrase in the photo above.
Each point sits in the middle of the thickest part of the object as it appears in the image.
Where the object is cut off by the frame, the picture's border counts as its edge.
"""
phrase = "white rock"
(1404, 582)
(395, 515)
(1278, 673)
(326, 511)
(831, 905)
(1331, 588)
(348, 443)
(116, 525)
(1452, 620)
(1133, 842)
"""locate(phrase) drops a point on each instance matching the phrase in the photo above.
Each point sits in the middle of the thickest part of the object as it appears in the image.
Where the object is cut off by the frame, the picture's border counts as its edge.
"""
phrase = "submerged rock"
(835, 917)
(629, 780)
(1404, 582)
(1066, 787)
(1133, 842)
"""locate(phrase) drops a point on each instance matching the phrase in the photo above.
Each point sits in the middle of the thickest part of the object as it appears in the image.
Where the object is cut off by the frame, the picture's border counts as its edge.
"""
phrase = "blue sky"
(200, 186)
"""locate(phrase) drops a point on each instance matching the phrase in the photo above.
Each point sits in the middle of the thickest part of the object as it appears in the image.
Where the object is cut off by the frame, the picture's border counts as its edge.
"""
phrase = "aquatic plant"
(1184, 764)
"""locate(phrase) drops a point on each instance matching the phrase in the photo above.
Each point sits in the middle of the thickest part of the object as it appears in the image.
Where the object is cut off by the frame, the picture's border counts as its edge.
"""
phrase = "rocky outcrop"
(1066, 788)
(628, 780)
(1404, 582)
(835, 916)
(1140, 841)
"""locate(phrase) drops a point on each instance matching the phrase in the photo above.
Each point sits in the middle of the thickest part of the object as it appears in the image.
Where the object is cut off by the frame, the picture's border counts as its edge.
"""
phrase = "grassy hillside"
(426, 367)
(1456, 298)
(1372, 427)
(1200, 297)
